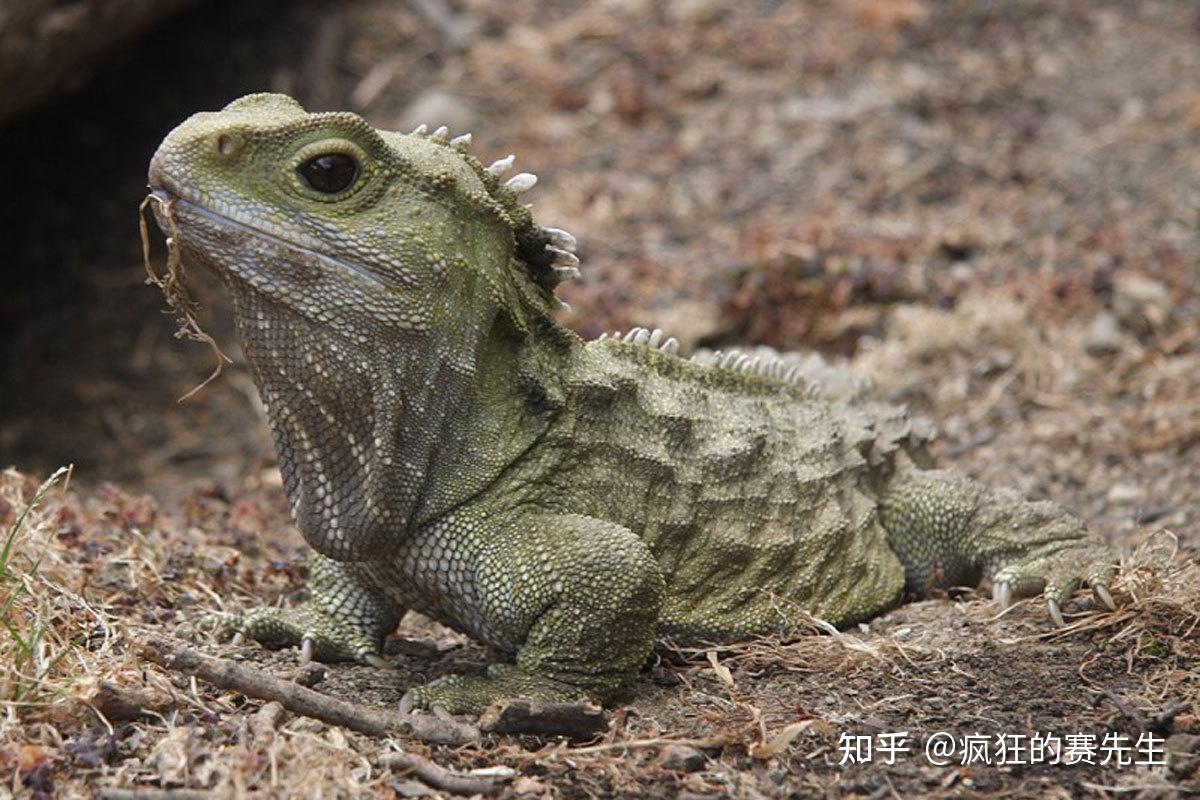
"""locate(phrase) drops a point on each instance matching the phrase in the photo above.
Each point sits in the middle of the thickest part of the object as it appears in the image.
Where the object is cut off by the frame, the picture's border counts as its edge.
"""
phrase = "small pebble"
(1104, 337)
(309, 674)
(682, 758)
(1123, 494)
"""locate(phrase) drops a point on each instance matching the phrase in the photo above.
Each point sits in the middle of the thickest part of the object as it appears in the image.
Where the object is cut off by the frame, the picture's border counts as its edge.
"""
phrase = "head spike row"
(655, 337)
(420, 130)
(461, 143)
(670, 346)
(442, 133)
(501, 166)
(521, 182)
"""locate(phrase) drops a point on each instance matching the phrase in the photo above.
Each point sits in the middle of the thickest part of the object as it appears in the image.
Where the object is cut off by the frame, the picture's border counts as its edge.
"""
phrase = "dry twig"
(229, 674)
(150, 793)
(574, 720)
(439, 777)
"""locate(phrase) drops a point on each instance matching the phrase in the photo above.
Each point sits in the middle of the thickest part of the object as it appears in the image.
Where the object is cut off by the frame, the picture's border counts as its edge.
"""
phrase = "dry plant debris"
(173, 284)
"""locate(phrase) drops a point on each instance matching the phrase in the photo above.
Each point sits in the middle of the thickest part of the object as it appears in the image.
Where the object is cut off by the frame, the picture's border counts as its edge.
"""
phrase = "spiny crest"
(548, 253)
(647, 337)
(770, 366)
(831, 381)
(764, 362)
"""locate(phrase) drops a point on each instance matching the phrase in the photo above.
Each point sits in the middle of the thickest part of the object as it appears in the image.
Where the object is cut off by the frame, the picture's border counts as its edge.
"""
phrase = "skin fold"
(448, 448)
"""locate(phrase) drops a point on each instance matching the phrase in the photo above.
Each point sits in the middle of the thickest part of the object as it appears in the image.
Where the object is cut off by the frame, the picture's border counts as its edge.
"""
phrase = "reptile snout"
(204, 140)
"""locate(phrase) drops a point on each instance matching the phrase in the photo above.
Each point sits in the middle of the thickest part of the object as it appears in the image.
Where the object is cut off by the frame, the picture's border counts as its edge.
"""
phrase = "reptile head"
(370, 271)
(313, 209)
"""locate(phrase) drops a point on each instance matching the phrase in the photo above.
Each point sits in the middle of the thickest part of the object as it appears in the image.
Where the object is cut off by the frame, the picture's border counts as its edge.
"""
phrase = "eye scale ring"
(329, 173)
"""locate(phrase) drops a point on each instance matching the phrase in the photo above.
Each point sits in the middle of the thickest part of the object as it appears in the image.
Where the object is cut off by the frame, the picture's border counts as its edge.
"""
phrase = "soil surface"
(990, 210)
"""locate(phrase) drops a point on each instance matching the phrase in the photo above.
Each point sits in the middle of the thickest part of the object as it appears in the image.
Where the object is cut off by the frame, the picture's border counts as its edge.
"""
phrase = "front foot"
(346, 618)
(319, 636)
(471, 694)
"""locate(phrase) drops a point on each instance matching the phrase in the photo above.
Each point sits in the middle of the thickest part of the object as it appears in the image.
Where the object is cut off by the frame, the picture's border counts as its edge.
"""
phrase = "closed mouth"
(167, 195)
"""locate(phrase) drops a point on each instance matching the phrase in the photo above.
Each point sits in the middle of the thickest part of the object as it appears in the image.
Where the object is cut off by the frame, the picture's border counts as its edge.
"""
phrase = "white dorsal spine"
(563, 257)
(562, 239)
(502, 165)
(521, 182)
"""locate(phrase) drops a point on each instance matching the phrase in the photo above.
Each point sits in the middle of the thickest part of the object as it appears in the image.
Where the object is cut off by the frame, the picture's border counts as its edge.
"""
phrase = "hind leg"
(948, 530)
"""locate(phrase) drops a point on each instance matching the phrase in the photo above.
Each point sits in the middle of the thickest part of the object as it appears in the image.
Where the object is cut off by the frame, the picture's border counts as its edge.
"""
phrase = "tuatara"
(448, 447)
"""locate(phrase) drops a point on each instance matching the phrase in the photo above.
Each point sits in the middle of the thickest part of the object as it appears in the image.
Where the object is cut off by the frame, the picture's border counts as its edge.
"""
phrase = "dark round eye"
(329, 173)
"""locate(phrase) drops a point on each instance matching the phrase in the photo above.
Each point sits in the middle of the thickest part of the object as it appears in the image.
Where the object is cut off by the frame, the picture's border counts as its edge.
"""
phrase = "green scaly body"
(447, 447)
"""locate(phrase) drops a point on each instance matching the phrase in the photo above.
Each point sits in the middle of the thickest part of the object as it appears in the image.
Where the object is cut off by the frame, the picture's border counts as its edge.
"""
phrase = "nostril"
(225, 144)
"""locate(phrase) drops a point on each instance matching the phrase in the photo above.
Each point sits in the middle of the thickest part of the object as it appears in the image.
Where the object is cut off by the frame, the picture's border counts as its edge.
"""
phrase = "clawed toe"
(1002, 595)
(1055, 612)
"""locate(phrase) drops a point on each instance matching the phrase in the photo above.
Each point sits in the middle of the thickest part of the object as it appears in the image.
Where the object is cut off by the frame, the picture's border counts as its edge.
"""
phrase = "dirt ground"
(991, 210)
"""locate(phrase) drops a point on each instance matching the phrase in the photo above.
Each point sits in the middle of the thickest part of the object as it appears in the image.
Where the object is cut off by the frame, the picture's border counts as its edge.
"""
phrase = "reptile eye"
(329, 173)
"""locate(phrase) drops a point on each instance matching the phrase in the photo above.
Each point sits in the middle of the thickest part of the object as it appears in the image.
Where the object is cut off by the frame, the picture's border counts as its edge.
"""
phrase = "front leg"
(345, 619)
(577, 598)
(949, 530)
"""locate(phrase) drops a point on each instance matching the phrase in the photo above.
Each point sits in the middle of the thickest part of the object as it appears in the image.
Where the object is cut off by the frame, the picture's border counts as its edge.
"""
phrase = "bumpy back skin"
(448, 447)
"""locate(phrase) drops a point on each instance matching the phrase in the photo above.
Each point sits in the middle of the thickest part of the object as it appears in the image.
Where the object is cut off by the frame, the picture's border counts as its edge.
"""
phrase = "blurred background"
(992, 208)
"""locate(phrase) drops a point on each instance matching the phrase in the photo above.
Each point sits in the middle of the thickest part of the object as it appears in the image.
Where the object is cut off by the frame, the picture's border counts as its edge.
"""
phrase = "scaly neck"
(381, 437)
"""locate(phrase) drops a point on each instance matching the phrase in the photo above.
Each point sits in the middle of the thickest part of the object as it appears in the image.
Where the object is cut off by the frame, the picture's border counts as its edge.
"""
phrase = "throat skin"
(376, 439)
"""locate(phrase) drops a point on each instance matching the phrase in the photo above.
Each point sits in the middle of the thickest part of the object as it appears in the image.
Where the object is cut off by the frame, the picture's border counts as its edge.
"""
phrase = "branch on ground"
(251, 682)
(575, 720)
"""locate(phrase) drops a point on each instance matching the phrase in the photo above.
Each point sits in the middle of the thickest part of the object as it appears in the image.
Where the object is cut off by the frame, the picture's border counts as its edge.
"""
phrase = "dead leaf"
(722, 671)
(781, 741)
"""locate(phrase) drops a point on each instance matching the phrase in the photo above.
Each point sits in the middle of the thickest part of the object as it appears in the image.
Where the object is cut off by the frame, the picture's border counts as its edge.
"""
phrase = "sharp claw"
(1002, 594)
(1055, 612)
(376, 661)
(306, 650)
(407, 703)
(1102, 594)
(440, 712)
